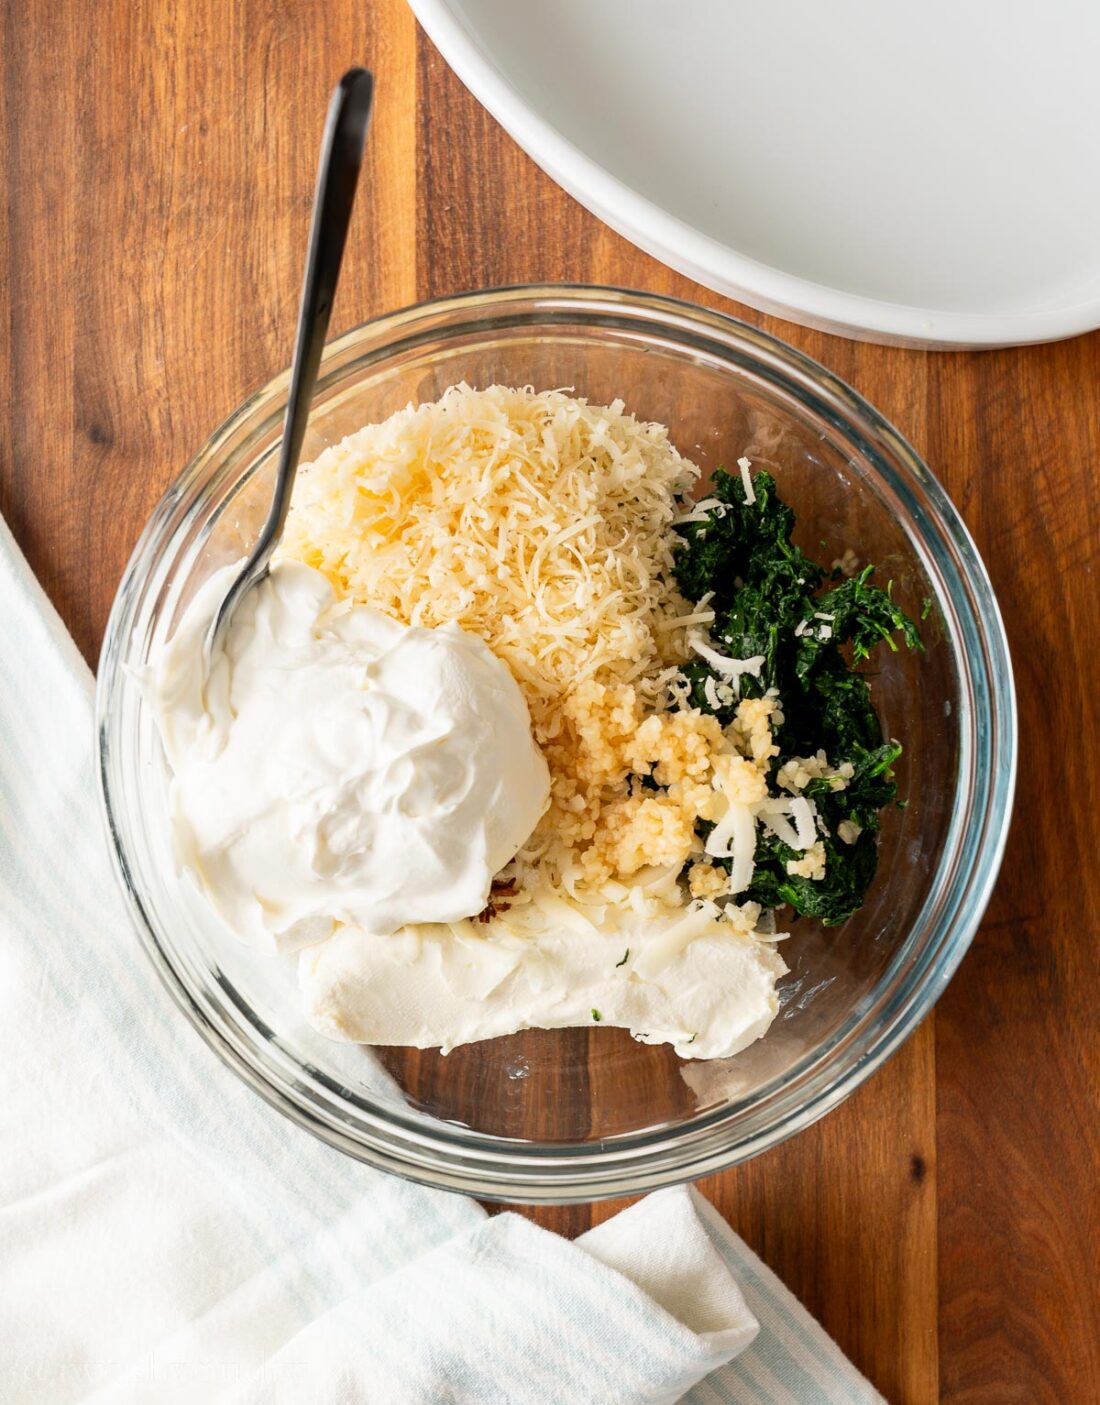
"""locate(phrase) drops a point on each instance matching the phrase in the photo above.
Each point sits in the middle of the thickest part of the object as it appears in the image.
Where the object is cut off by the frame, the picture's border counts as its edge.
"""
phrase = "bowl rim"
(720, 266)
(498, 1168)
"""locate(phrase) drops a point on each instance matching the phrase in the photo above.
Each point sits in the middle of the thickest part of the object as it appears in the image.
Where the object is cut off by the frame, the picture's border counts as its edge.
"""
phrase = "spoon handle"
(337, 177)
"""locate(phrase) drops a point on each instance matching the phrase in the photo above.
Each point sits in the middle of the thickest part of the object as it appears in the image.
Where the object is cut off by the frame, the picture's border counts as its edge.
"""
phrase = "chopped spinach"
(849, 869)
(769, 600)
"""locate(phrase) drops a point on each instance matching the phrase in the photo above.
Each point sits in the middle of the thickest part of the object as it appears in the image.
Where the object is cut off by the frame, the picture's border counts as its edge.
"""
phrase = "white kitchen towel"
(165, 1236)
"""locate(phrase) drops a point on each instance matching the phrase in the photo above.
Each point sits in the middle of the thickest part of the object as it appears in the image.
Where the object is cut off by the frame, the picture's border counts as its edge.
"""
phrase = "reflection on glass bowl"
(582, 1114)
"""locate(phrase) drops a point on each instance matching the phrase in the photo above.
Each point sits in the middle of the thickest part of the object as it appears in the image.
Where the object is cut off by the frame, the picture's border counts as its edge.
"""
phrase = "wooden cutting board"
(157, 201)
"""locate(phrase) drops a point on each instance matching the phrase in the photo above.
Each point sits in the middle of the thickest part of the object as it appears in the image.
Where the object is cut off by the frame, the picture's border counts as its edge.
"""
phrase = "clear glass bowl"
(583, 1114)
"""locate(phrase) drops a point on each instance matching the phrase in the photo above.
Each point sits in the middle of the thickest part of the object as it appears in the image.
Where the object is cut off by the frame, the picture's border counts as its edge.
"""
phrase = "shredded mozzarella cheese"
(733, 669)
(750, 492)
(701, 511)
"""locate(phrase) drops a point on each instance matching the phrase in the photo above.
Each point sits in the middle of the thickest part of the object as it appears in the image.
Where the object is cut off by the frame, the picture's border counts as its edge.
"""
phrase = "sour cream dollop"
(338, 767)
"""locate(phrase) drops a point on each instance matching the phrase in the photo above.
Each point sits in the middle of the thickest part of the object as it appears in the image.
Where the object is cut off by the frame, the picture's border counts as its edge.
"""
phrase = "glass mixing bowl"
(587, 1113)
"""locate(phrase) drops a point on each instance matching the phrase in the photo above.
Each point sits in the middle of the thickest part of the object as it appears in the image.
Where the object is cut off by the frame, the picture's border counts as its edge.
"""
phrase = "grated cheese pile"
(537, 521)
(544, 525)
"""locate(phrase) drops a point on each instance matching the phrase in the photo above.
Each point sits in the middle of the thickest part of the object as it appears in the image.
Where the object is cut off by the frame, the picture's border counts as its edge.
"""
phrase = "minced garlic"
(810, 865)
(796, 774)
(706, 880)
(603, 823)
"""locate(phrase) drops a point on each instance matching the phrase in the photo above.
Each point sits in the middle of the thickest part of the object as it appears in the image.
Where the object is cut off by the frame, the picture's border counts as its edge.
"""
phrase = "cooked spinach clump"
(812, 627)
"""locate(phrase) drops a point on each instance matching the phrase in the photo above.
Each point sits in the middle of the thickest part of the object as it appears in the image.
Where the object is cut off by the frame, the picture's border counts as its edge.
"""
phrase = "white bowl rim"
(714, 264)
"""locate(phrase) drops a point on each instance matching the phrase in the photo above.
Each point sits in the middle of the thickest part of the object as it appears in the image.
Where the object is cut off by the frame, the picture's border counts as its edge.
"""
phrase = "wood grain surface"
(158, 154)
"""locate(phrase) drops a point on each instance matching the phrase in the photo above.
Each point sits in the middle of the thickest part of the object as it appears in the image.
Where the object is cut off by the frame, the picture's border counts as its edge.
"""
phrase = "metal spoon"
(337, 176)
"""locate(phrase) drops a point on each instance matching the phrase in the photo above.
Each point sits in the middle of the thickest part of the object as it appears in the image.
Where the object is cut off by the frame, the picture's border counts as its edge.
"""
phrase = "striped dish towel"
(167, 1237)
